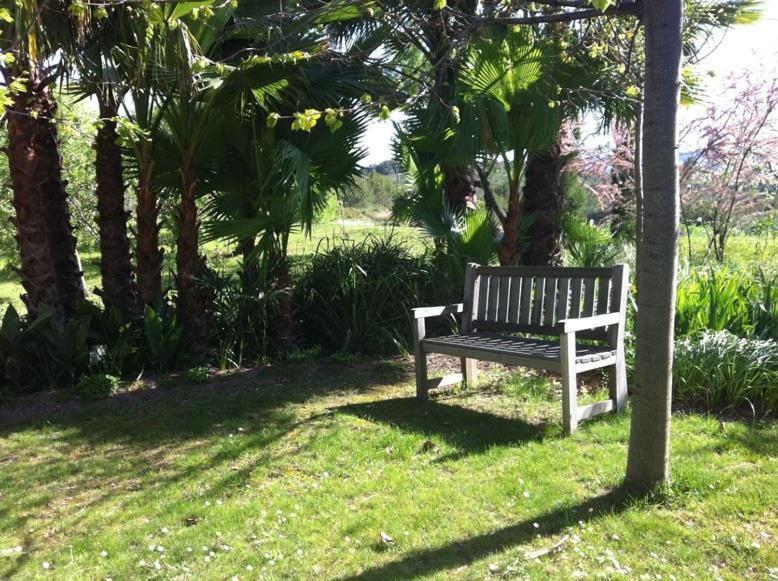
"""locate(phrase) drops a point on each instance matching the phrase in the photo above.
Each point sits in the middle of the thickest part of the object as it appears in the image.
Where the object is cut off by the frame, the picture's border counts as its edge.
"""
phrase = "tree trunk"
(648, 463)
(148, 255)
(115, 267)
(543, 200)
(189, 264)
(510, 248)
(50, 267)
(638, 173)
(459, 186)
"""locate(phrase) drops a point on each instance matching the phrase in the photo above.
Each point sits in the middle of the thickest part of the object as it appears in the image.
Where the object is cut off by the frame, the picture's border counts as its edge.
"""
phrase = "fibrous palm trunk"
(510, 248)
(648, 461)
(543, 201)
(50, 267)
(147, 253)
(115, 266)
(189, 264)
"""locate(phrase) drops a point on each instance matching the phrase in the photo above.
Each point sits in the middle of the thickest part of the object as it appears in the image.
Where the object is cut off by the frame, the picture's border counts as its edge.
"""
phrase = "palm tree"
(96, 57)
(277, 176)
(50, 268)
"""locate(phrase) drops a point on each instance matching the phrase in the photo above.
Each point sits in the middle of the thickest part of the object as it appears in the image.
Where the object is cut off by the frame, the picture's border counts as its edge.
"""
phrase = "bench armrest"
(426, 312)
(587, 323)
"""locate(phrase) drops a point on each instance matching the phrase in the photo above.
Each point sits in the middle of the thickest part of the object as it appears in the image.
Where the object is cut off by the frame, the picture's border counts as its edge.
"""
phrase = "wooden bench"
(504, 304)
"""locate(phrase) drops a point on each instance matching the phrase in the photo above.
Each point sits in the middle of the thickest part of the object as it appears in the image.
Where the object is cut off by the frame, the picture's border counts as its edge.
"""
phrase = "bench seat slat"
(514, 346)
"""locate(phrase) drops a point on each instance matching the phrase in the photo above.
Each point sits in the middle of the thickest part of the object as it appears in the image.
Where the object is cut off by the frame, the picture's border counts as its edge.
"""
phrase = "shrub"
(719, 299)
(44, 352)
(96, 386)
(357, 297)
(162, 335)
(239, 314)
(718, 369)
(587, 244)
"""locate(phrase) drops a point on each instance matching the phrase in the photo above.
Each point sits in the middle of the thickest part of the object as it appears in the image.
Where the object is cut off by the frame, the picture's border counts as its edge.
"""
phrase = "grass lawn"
(332, 471)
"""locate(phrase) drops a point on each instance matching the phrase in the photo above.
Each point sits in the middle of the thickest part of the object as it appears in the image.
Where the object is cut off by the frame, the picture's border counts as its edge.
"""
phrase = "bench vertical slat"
(563, 299)
(549, 302)
(526, 298)
(514, 301)
(483, 296)
(502, 301)
(494, 289)
(588, 302)
(575, 299)
(472, 284)
(618, 373)
(603, 291)
(537, 301)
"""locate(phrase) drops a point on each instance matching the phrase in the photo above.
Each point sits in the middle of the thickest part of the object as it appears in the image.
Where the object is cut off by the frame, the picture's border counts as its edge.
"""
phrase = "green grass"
(295, 471)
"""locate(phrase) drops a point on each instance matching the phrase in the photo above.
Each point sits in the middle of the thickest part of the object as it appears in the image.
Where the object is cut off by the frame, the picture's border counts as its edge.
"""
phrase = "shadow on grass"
(470, 431)
(464, 552)
(139, 437)
(181, 411)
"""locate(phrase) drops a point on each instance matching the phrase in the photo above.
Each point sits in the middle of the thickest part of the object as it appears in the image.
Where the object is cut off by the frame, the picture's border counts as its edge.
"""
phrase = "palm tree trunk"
(510, 249)
(648, 463)
(543, 200)
(50, 267)
(115, 266)
(189, 264)
(148, 255)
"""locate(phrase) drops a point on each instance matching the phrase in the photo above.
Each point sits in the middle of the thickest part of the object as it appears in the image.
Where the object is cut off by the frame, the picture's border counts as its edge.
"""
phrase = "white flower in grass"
(536, 525)
(249, 568)
(526, 494)
(47, 565)
(103, 553)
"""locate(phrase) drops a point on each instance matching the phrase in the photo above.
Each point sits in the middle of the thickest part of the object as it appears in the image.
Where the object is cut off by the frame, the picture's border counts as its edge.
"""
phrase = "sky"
(754, 46)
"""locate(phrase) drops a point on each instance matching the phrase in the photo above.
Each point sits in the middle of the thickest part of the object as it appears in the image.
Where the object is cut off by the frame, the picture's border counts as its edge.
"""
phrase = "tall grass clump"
(717, 370)
(357, 297)
(719, 299)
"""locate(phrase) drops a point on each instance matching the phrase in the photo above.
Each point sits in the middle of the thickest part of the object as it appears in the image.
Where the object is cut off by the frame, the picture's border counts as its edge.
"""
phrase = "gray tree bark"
(648, 463)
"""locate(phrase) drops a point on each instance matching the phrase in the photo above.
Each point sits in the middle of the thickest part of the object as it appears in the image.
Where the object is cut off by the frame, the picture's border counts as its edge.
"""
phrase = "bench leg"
(569, 383)
(470, 371)
(617, 383)
(419, 332)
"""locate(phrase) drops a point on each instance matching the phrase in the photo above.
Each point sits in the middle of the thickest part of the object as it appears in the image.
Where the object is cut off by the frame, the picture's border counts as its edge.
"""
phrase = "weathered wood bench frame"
(570, 303)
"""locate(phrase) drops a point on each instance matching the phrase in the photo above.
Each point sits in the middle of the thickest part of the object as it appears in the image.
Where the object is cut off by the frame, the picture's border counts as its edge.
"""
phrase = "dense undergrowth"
(353, 297)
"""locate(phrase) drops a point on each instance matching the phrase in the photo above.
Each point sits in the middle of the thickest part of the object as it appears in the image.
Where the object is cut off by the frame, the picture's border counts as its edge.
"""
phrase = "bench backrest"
(528, 299)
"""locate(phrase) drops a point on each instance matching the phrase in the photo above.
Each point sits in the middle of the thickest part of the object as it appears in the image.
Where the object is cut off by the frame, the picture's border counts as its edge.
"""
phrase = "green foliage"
(719, 369)
(587, 244)
(162, 334)
(239, 315)
(45, 352)
(96, 386)
(357, 297)
(373, 190)
(197, 375)
(722, 299)
(305, 355)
